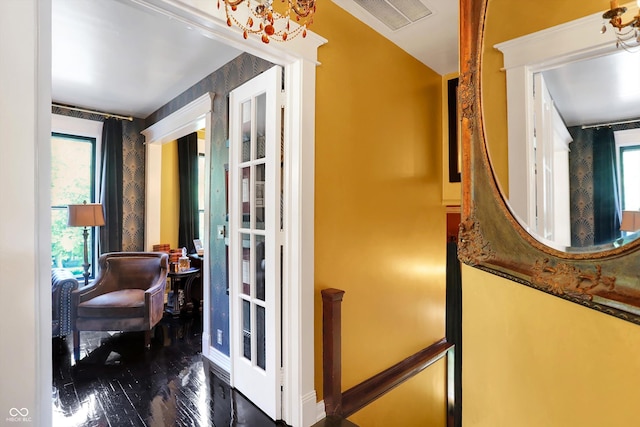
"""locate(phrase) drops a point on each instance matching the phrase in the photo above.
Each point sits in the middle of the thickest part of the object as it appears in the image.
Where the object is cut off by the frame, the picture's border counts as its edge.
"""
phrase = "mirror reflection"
(571, 172)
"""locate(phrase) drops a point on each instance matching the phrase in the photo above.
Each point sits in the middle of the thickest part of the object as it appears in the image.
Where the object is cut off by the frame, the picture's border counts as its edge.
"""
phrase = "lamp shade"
(630, 221)
(85, 215)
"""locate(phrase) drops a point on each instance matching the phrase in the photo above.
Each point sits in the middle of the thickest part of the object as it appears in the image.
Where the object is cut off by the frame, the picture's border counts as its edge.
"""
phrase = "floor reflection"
(118, 383)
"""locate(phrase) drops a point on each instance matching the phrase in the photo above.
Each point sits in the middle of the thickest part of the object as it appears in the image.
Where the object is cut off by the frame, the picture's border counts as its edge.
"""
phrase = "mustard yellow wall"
(380, 224)
(419, 402)
(530, 359)
(169, 202)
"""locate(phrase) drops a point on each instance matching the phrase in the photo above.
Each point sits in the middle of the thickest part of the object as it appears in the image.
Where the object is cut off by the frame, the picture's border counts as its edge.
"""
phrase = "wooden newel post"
(332, 350)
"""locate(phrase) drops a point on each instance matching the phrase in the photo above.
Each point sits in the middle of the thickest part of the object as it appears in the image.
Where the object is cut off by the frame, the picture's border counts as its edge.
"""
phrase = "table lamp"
(86, 215)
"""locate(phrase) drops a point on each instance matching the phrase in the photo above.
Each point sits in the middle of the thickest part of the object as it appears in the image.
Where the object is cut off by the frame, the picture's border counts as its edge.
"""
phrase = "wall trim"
(220, 359)
(190, 118)
(186, 120)
(320, 412)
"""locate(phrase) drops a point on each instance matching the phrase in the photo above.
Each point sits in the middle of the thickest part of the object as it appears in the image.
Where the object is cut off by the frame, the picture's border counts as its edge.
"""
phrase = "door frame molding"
(190, 118)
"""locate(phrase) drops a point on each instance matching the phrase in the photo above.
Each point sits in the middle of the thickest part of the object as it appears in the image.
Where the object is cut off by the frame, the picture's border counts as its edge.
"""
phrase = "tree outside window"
(72, 182)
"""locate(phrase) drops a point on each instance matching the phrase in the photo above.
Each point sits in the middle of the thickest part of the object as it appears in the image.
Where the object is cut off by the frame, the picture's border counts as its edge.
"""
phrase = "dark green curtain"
(454, 322)
(606, 206)
(111, 186)
(188, 172)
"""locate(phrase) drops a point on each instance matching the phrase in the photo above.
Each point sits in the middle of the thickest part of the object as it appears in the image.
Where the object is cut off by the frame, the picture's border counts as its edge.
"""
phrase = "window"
(628, 159)
(630, 173)
(75, 144)
(72, 182)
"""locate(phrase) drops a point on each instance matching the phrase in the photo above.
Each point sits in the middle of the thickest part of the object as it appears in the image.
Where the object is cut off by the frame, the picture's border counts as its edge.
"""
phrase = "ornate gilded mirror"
(500, 64)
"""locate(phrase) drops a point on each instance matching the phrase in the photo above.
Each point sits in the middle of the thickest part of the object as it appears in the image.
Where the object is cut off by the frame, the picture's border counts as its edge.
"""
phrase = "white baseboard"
(320, 413)
(220, 359)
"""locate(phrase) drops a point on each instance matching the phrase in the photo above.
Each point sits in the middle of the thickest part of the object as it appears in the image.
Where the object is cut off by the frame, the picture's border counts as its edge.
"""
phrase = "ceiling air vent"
(395, 14)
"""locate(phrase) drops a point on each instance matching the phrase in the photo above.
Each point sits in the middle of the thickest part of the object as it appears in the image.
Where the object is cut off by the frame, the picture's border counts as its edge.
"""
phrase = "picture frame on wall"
(454, 135)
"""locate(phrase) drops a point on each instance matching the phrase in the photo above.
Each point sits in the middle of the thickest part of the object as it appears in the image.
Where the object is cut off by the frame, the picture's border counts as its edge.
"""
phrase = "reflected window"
(630, 177)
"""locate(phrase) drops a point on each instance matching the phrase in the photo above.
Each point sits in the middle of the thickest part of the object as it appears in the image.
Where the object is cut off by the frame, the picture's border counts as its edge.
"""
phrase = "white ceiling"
(119, 57)
(599, 90)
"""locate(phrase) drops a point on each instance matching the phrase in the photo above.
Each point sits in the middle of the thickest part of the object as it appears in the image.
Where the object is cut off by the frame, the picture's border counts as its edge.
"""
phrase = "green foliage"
(72, 177)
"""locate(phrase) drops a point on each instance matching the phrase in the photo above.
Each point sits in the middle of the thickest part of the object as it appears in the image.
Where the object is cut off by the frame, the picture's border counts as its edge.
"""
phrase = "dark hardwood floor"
(118, 383)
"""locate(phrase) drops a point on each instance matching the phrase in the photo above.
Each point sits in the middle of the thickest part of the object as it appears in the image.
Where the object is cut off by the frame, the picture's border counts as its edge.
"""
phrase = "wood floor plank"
(118, 383)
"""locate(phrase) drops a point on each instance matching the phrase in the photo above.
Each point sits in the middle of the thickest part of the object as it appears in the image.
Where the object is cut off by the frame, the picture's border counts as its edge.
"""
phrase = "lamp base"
(86, 264)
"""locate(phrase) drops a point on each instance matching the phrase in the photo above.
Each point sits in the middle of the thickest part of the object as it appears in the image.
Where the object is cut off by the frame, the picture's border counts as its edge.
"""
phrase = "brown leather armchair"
(127, 295)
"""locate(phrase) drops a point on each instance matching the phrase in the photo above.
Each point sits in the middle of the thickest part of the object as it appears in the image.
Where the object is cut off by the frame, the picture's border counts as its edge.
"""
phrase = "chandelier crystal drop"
(258, 17)
(627, 33)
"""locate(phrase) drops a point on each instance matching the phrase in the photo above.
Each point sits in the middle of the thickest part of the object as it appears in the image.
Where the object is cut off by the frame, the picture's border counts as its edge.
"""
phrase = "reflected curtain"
(454, 322)
(111, 186)
(188, 173)
(606, 207)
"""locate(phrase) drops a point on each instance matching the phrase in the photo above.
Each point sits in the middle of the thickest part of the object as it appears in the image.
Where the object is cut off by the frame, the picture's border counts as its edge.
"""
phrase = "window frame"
(69, 126)
(624, 140)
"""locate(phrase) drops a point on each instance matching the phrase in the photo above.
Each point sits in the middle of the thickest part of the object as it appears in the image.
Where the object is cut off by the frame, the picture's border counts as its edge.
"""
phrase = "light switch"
(221, 232)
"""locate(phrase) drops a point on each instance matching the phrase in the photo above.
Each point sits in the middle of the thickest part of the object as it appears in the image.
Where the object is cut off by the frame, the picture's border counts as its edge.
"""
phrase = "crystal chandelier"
(263, 20)
(627, 34)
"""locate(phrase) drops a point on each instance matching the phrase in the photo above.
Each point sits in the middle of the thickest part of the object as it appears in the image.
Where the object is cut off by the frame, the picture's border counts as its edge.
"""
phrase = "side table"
(180, 290)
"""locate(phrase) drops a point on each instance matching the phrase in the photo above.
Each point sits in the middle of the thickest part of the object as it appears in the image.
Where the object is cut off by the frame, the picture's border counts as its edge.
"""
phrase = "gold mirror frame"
(493, 240)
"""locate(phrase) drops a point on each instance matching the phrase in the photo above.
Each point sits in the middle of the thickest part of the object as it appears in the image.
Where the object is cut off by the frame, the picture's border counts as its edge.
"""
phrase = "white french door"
(255, 247)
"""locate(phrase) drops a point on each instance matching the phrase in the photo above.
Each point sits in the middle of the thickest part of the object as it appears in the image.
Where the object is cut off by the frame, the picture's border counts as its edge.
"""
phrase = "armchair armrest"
(158, 287)
(63, 283)
(154, 299)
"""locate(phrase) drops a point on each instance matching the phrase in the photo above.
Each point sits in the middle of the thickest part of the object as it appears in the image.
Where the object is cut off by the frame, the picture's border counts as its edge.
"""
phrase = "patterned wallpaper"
(133, 177)
(581, 184)
(133, 186)
(581, 188)
(220, 82)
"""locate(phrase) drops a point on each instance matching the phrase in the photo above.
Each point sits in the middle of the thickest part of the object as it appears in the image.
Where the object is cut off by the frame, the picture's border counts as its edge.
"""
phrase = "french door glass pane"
(260, 267)
(246, 198)
(246, 131)
(246, 262)
(246, 329)
(261, 344)
(261, 115)
(259, 196)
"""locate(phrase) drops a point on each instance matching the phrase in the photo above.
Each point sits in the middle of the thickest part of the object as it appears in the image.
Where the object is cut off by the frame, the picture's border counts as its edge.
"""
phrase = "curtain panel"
(606, 207)
(188, 173)
(111, 186)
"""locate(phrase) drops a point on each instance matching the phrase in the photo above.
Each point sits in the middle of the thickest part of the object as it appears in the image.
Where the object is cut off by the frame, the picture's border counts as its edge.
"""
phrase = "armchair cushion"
(124, 303)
